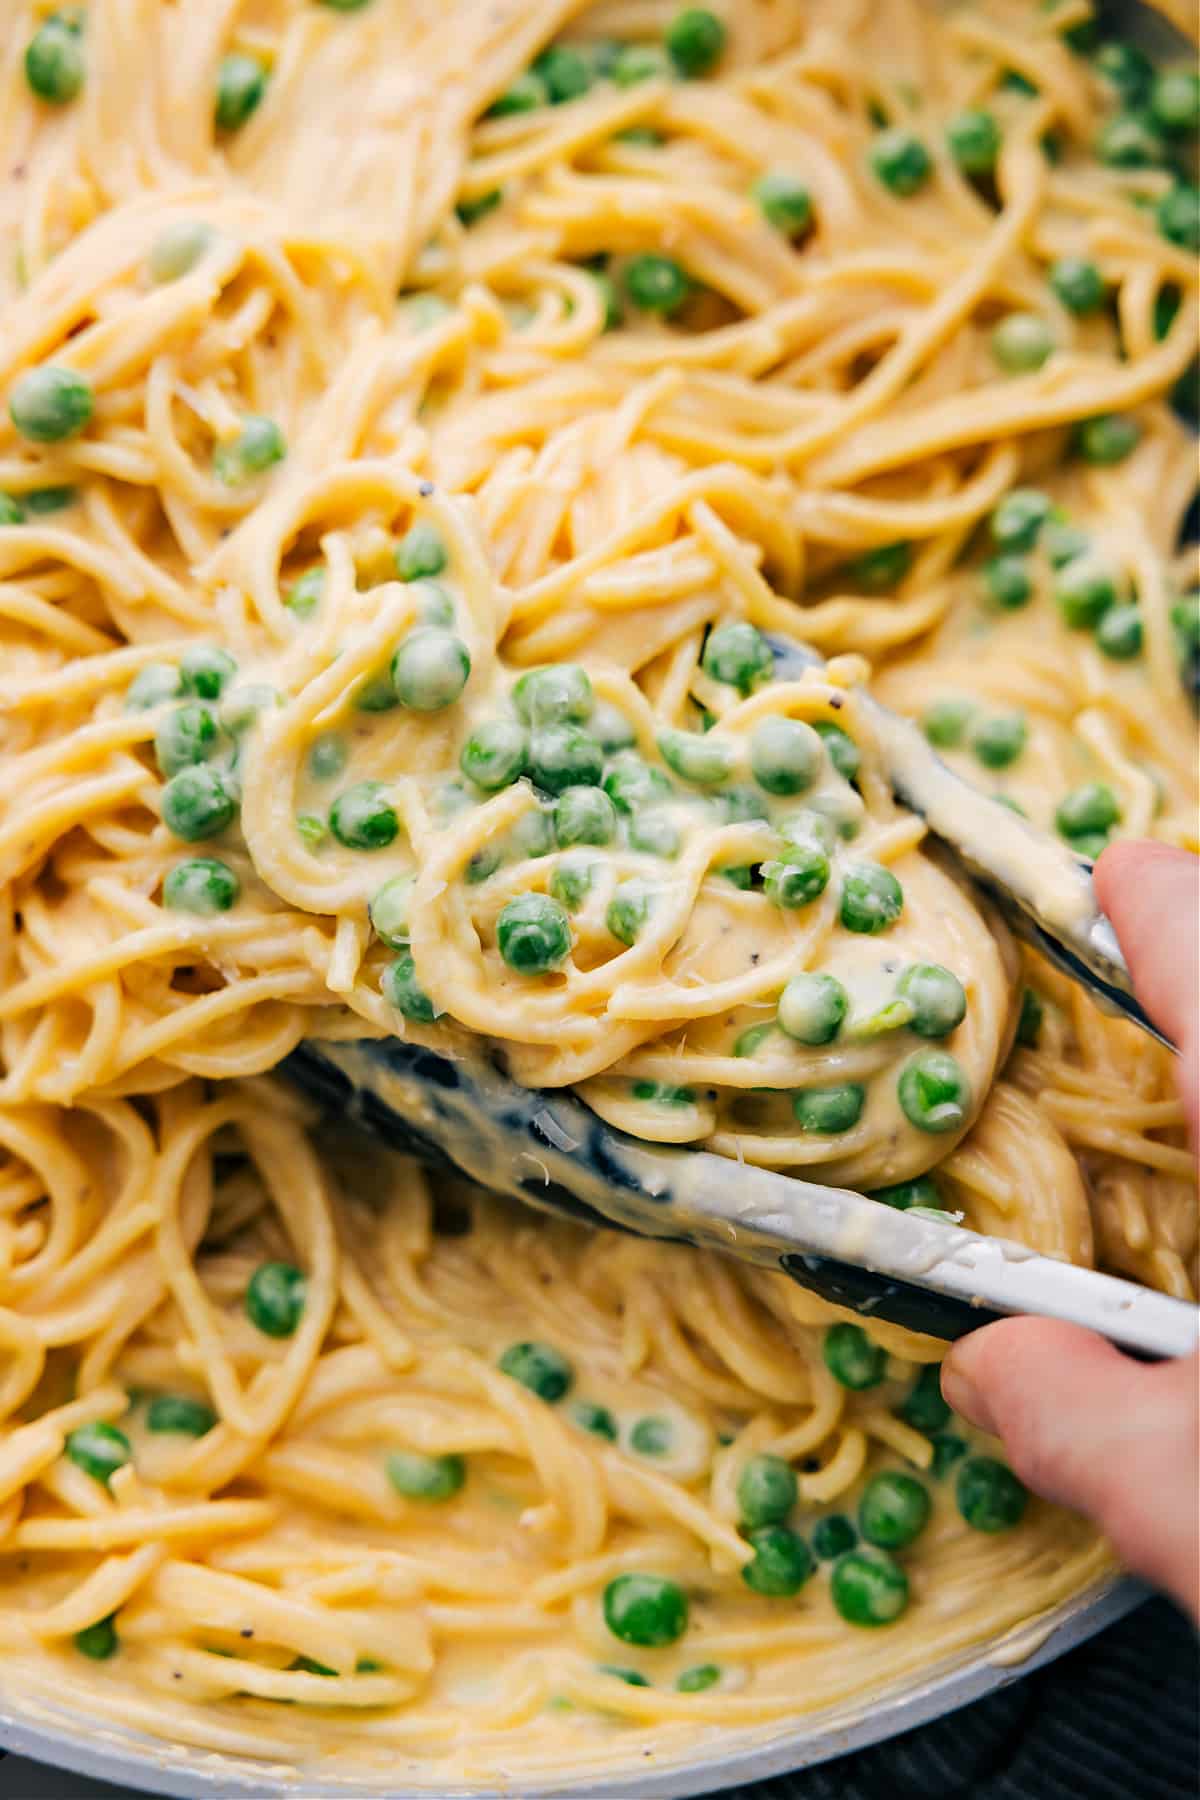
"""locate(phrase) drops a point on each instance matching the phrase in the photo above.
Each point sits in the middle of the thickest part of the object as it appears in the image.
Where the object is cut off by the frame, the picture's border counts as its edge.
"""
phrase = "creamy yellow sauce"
(348, 451)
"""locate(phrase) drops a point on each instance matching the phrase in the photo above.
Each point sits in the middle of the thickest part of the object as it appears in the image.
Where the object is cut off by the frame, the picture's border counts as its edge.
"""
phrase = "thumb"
(1087, 1427)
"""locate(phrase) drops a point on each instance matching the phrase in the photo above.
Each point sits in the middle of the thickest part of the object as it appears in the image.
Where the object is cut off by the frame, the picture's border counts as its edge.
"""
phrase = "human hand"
(1081, 1423)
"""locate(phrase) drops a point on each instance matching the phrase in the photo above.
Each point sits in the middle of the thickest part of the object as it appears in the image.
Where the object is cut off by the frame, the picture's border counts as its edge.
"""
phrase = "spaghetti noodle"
(420, 665)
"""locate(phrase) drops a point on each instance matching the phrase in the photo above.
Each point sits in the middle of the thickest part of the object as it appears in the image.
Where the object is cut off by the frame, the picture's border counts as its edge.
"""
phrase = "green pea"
(868, 1588)
(54, 61)
(920, 1191)
(1130, 140)
(377, 694)
(196, 804)
(435, 603)
(98, 1449)
(703, 759)
(201, 885)
(633, 786)
(563, 756)
(39, 501)
(832, 1536)
(388, 911)
(584, 815)
(541, 1368)
(1107, 439)
(11, 512)
(828, 1111)
(420, 552)
(934, 1092)
(738, 655)
(1078, 283)
(1029, 1021)
(798, 878)
(241, 84)
(50, 404)
(526, 94)
(784, 203)
(401, 989)
(564, 73)
(420, 1477)
(533, 934)
(560, 694)
(1127, 67)
(694, 40)
(973, 139)
(647, 1610)
(1022, 342)
(594, 1418)
(631, 1677)
(924, 1408)
(304, 595)
(781, 1564)
(894, 1510)
(483, 864)
(179, 1416)
(990, 1498)
(469, 212)
(1092, 807)
(651, 1436)
(1008, 581)
(1084, 591)
(177, 249)
(882, 568)
(205, 670)
(945, 721)
(872, 899)
(767, 1490)
(275, 1298)
(843, 752)
(656, 283)
(748, 1042)
(740, 805)
(152, 686)
(901, 161)
(738, 875)
(937, 998)
(606, 288)
(327, 757)
(638, 62)
(1178, 215)
(1175, 100)
(495, 754)
(345, 6)
(1017, 521)
(533, 833)
(947, 1449)
(785, 755)
(99, 1641)
(1185, 625)
(697, 1679)
(812, 1007)
(1063, 542)
(628, 910)
(572, 880)
(999, 739)
(187, 735)
(851, 1358)
(430, 669)
(362, 819)
(242, 708)
(258, 446)
(310, 829)
(663, 1093)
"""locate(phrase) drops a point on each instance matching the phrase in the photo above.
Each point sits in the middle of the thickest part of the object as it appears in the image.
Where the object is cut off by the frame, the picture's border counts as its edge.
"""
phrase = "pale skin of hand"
(1082, 1424)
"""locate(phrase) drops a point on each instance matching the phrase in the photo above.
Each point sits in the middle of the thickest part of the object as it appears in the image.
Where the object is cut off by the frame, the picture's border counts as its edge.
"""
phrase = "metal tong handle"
(548, 1149)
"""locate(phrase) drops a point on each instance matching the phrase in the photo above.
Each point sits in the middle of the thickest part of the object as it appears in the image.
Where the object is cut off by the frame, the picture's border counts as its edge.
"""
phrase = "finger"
(1151, 892)
(1091, 1429)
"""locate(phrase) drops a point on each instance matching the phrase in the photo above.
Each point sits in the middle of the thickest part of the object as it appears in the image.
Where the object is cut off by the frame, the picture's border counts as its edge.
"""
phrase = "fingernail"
(963, 1397)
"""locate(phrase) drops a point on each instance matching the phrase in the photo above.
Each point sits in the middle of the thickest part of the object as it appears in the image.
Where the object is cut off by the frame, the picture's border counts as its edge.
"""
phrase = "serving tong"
(910, 1268)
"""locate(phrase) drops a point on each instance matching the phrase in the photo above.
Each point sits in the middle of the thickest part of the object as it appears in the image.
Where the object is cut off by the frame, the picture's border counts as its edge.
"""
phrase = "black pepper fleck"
(836, 701)
(425, 489)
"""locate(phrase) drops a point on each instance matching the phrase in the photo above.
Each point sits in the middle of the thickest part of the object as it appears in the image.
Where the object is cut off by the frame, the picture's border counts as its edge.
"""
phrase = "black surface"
(1115, 1720)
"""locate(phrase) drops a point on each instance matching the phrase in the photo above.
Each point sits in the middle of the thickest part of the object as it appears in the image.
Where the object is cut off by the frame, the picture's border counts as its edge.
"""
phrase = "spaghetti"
(421, 665)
